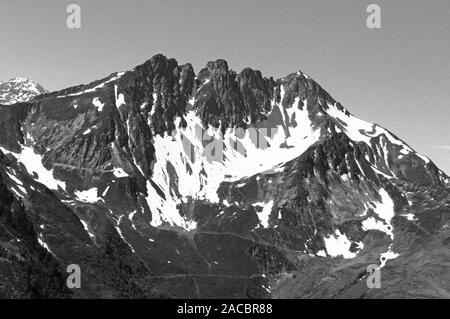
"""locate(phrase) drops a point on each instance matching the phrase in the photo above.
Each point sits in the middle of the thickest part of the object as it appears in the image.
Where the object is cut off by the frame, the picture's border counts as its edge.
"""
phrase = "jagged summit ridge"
(140, 110)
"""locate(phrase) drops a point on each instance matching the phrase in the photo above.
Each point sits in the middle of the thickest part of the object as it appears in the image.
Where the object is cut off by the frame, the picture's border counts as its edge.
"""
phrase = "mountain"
(163, 183)
(19, 90)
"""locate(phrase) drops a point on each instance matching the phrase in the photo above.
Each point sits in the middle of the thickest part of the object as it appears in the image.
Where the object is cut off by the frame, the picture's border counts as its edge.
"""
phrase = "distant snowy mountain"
(19, 90)
(160, 182)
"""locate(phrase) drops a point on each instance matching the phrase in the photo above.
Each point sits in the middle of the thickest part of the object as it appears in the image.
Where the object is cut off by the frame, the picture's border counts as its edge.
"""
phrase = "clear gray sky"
(397, 76)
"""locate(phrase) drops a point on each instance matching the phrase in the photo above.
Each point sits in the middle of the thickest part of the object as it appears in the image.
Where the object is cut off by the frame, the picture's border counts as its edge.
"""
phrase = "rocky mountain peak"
(18, 90)
(213, 185)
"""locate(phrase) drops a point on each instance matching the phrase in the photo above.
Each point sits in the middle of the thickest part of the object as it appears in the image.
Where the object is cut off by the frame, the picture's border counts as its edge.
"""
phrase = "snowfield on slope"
(361, 131)
(34, 166)
(192, 162)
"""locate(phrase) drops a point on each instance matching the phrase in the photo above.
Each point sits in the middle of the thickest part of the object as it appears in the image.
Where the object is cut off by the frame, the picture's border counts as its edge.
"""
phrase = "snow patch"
(120, 98)
(14, 179)
(338, 245)
(410, 217)
(86, 228)
(43, 243)
(120, 173)
(88, 196)
(130, 218)
(362, 131)
(105, 191)
(33, 164)
(384, 257)
(99, 105)
(265, 213)
(121, 235)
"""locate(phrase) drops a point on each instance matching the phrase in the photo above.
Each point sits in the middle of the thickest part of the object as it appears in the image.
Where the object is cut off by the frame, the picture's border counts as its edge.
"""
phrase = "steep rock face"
(225, 99)
(158, 182)
(161, 88)
(27, 270)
